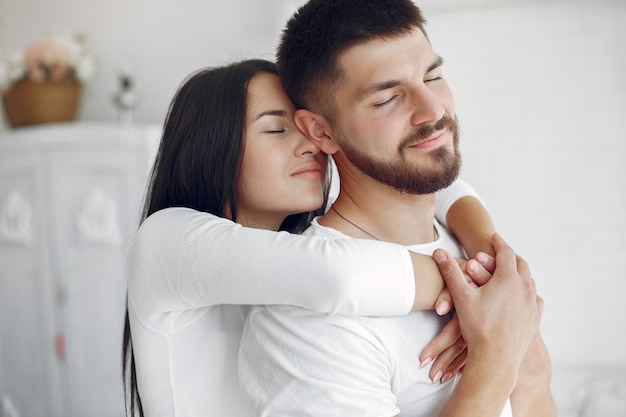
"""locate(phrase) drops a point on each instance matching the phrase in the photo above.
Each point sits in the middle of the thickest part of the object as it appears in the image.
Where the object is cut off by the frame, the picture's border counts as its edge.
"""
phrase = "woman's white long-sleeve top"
(192, 276)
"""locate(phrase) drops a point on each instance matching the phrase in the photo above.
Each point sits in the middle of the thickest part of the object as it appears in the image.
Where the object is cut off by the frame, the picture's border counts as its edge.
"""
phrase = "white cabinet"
(70, 201)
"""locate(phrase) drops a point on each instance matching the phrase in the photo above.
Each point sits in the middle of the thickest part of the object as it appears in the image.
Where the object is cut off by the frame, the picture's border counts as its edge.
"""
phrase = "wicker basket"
(29, 103)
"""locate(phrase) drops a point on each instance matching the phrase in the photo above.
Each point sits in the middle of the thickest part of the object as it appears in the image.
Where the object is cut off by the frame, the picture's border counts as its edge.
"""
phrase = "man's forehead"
(382, 60)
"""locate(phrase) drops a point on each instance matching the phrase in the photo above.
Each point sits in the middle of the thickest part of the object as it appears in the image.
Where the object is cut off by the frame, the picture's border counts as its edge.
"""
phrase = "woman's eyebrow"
(279, 113)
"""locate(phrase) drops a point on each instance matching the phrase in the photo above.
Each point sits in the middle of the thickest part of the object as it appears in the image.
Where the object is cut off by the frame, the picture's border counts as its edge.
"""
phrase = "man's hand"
(502, 315)
(498, 321)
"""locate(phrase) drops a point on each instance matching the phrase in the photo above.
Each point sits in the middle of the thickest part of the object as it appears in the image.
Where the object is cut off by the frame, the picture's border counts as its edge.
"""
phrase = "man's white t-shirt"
(293, 361)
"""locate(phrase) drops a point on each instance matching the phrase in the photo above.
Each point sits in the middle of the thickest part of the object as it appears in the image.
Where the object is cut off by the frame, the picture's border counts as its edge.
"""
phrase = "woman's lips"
(311, 170)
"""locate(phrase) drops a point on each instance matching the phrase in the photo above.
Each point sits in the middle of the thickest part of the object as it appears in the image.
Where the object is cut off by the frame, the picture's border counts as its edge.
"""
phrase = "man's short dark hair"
(321, 30)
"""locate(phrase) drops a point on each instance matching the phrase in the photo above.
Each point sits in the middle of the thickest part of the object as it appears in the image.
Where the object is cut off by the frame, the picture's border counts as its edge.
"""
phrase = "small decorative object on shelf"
(125, 98)
(43, 82)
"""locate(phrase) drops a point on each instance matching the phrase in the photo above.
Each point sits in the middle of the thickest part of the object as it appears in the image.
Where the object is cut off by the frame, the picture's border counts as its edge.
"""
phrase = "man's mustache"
(425, 131)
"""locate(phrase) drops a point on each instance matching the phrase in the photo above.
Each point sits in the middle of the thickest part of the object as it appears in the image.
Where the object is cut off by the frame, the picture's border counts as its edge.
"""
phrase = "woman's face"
(282, 171)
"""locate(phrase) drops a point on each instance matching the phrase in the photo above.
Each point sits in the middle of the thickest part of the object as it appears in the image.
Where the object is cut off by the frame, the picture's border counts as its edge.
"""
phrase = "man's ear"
(316, 128)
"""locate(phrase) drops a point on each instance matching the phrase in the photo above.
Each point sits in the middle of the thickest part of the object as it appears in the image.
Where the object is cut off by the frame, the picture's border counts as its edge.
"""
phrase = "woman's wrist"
(428, 282)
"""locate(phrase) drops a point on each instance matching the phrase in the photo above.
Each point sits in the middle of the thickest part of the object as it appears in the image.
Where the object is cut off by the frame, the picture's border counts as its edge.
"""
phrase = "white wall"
(541, 96)
(540, 93)
(161, 40)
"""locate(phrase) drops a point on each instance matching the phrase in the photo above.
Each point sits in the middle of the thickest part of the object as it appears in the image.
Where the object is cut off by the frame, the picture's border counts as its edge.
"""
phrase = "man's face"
(395, 114)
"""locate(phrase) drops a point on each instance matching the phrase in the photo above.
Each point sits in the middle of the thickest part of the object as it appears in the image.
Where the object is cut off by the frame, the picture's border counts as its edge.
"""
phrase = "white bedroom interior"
(541, 98)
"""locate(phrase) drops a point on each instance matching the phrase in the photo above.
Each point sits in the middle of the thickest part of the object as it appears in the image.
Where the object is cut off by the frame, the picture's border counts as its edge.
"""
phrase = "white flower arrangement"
(59, 57)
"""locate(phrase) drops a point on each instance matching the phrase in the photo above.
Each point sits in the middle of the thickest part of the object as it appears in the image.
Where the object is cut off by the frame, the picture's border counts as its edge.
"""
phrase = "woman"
(233, 168)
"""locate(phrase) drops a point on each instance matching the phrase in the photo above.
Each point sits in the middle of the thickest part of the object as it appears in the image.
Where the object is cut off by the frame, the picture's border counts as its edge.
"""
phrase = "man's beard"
(405, 176)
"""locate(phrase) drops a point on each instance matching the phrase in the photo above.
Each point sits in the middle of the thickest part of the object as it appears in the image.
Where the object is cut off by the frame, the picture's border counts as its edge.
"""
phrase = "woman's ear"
(316, 128)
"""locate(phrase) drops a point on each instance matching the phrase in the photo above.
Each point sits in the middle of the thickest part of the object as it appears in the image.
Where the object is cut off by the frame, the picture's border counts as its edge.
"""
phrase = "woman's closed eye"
(276, 131)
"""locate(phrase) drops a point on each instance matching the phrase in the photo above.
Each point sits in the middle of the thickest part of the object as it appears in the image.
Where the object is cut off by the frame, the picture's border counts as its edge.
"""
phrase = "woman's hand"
(478, 271)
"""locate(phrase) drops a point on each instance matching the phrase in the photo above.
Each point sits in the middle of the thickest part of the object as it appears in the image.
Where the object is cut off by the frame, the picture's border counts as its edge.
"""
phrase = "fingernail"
(426, 362)
(440, 257)
(446, 377)
(443, 308)
(437, 377)
(481, 257)
(472, 266)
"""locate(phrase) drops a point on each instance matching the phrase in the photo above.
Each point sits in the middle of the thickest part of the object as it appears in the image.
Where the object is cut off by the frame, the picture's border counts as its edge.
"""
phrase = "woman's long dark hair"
(198, 162)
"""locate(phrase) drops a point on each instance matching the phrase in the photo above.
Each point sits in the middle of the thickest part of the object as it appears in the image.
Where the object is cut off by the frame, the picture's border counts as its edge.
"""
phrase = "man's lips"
(435, 140)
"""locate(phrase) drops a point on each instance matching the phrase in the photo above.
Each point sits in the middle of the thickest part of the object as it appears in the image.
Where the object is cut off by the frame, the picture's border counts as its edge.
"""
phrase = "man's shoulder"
(316, 229)
(445, 240)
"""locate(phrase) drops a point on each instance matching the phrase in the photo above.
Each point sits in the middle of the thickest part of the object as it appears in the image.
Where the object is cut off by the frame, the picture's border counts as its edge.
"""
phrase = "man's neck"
(376, 211)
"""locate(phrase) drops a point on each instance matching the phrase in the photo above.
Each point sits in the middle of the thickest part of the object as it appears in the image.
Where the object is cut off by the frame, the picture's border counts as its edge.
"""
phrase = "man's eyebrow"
(436, 64)
(374, 88)
(279, 113)
(384, 85)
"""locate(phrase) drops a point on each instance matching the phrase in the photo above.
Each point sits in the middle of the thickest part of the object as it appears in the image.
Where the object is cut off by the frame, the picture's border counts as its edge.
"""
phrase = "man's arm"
(498, 321)
(532, 396)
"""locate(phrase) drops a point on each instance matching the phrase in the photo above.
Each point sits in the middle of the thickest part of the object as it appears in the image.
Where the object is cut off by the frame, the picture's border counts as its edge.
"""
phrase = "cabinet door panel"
(96, 214)
(70, 200)
(29, 367)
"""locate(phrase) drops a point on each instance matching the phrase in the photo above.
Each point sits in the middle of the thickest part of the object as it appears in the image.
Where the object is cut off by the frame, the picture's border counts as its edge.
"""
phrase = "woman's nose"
(306, 146)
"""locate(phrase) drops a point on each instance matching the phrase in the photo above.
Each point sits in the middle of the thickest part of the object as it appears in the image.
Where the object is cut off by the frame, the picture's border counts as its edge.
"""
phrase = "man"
(372, 94)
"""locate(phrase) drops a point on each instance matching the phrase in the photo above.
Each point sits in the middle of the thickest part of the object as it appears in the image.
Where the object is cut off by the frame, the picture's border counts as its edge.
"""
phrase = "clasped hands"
(496, 309)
